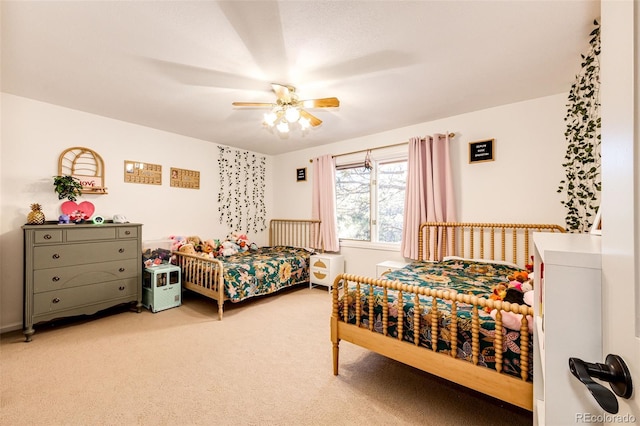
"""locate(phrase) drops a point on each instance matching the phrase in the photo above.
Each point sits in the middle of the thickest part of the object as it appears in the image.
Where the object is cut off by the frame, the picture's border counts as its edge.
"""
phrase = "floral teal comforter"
(466, 277)
(265, 270)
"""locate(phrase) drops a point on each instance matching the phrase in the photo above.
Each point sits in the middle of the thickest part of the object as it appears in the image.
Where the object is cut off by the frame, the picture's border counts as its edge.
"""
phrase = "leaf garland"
(242, 187)
(583, 182)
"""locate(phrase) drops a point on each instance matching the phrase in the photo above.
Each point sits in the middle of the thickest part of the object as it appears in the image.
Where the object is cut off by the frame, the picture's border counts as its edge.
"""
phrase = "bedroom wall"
(519, 186)
(34, 134)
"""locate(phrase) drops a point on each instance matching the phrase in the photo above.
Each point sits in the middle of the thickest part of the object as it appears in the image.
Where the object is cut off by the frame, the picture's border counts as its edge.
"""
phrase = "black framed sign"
(301, 174)
(480, 151)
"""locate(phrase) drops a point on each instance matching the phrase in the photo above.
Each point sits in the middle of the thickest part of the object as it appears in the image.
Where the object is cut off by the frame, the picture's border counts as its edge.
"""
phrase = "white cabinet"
(387, 266)
(568, 323)
(325, 268)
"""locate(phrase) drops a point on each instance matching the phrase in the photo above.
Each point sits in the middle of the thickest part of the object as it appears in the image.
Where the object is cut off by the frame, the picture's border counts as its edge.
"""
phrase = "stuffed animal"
(176, 242)
(196, 242)
(520, 276)
(512, 320)
(228, 248)
(187, 249)
(243, 242)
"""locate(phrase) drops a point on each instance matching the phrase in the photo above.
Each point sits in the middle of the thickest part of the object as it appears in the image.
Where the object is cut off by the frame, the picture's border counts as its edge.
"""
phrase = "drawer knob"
(121, 250)
(55, 300)
(47, 236)
(121, 288)
(127, 232)
(121, 269)
(55, 279)
(56, 256)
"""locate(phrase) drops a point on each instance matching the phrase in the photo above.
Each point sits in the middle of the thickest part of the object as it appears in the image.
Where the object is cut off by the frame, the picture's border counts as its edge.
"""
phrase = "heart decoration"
(76, 212)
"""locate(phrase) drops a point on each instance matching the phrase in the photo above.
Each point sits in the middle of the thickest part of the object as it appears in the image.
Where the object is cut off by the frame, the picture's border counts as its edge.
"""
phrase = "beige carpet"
(267, 363)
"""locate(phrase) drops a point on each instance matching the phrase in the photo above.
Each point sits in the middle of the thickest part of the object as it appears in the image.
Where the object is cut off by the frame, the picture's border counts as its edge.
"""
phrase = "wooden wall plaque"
(183, 178)
(145, 173)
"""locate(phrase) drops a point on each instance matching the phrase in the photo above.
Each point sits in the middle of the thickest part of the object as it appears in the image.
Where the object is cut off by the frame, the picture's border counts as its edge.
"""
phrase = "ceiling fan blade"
(320, 103)
(254, 104)
(313, 120)
(283, 92)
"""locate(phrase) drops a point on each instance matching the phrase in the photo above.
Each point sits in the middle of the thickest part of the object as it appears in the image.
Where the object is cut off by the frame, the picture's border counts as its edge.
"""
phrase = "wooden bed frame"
(468, 240)
(206, 276)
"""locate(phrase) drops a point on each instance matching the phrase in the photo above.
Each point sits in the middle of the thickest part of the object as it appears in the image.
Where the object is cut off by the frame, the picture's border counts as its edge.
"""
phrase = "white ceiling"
(178, 65)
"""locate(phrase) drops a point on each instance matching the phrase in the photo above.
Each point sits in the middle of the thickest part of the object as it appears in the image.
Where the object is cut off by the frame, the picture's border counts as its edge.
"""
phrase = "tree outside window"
(370, 202)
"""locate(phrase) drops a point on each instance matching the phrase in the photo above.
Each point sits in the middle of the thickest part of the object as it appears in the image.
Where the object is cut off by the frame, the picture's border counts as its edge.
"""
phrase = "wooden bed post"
(334, 323)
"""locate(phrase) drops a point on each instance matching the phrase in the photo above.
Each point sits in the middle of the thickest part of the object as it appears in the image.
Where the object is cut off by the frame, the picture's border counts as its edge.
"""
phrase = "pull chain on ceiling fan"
(288, 109)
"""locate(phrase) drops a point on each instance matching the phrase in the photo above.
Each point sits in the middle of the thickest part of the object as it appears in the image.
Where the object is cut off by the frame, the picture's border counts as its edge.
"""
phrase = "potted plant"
(68, 187)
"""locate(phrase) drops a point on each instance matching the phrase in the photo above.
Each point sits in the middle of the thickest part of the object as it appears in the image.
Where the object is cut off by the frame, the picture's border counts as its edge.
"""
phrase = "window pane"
(353, 200)
(392, 180)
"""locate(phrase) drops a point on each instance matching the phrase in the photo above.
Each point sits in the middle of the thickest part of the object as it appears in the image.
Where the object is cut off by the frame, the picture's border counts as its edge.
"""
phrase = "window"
(370, 202)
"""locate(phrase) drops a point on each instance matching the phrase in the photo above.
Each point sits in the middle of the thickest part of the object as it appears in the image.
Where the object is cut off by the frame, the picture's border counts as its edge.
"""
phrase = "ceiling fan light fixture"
(288, 112)
(283, 127)
(292, 114)
(270, 118)
(304, 123)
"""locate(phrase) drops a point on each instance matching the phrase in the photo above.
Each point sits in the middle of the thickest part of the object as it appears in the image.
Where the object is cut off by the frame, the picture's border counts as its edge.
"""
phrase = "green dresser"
(79, 270)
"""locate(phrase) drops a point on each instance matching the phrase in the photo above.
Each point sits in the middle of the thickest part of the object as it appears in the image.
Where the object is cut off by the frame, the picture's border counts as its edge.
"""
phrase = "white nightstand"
(325, 268)
(387, 266)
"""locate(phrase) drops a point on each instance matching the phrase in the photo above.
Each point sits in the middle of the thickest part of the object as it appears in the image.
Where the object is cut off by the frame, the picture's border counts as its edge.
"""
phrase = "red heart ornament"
(82, 211)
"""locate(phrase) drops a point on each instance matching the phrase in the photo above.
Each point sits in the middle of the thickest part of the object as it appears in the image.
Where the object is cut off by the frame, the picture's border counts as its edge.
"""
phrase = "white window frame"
(386, 156)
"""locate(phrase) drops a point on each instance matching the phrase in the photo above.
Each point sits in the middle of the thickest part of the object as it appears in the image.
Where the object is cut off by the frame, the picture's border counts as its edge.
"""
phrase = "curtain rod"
(451, 135)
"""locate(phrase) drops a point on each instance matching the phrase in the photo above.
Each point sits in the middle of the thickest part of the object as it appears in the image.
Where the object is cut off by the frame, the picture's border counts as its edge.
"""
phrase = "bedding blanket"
(463, 276)
(263, 271)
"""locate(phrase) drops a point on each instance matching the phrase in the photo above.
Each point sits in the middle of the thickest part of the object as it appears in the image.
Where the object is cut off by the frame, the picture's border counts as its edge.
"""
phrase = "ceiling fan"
(288, 109)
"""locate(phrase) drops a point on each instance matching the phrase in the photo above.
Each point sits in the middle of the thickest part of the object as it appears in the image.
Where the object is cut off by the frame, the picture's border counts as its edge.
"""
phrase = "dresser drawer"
(47, 236)
(91, 234)
(77, 254)
(74, 276)
(69, 298)
(127, 232)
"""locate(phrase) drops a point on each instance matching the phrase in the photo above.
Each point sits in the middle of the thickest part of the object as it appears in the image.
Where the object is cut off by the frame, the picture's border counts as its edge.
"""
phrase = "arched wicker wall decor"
(86, 165)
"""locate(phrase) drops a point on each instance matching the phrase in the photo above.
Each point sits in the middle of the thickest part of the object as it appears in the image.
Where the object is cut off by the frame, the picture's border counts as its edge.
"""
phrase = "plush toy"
(520, 276)
(177, 242)
(529, 266)
(187, 249)
(196, 242)
(243, 242)
(498, 293)
(512, 320)
(228, 248)
(208, 247)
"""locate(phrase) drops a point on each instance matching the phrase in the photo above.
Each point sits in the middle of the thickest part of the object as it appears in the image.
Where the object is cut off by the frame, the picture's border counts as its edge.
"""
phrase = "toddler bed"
(436, 315)
(284, 263)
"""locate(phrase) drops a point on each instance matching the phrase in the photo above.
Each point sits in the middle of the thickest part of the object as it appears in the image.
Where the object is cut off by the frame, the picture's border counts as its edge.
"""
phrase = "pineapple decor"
(35, 216)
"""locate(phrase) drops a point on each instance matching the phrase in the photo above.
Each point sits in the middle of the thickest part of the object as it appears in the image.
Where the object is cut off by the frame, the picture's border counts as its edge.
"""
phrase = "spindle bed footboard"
(284, 263)
(437, 315)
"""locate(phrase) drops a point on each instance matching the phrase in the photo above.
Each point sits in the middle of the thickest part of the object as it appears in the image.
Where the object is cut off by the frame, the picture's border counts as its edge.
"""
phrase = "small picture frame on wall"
(301, 174)
(481, 151)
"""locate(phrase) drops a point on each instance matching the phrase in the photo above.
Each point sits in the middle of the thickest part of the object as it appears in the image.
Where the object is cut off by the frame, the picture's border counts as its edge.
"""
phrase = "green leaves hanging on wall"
(242, 190)
(582, 183)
